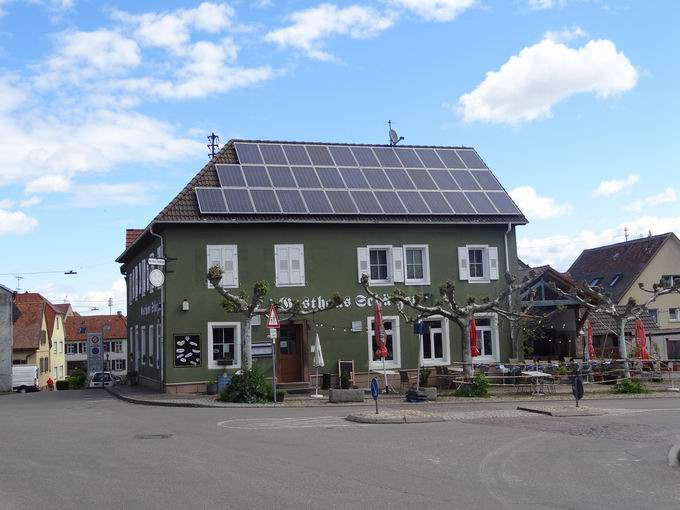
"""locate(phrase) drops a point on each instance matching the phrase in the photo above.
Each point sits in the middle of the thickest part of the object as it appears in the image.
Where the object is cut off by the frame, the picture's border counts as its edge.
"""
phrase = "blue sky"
(105, 108)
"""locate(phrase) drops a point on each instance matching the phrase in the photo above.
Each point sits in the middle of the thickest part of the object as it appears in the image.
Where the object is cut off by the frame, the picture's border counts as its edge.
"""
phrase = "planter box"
(430, 391)
(211, 389)
(337, 396)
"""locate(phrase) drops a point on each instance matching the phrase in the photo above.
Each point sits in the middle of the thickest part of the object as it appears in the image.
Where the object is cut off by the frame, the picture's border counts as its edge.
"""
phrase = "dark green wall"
(330, 266)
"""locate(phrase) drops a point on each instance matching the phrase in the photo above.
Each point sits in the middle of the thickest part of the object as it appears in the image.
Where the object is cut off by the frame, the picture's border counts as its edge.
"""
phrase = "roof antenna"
(394, 138)
(625, 233)
(19, 278)
(213, 145)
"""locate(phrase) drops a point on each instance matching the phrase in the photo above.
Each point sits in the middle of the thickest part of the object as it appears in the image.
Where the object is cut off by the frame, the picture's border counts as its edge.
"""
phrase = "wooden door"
(289, 353)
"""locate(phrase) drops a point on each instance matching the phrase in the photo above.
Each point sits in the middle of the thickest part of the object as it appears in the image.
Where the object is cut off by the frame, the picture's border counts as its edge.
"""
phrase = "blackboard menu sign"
(187, 350)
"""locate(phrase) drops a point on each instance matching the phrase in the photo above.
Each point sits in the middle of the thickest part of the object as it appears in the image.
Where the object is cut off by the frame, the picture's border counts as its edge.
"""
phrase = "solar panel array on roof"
(274, 178)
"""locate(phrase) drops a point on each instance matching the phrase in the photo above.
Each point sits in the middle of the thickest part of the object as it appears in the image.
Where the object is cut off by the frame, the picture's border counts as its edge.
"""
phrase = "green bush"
(247, 387)
(478, 388)
(344, 382)
(63, 385)
(424, 376)
(628, 386)
(280, 394)
(77, 379)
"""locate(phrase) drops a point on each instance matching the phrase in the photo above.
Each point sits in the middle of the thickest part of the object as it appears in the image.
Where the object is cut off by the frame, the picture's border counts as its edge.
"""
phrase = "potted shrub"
(211, 387)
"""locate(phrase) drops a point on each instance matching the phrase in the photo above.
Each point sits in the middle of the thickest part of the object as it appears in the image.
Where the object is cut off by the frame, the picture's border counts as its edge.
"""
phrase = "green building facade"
(180, 335)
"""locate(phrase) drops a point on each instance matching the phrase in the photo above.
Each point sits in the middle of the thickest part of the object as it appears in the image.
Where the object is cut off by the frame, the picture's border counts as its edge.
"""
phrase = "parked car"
(25, 378)
(97, 378)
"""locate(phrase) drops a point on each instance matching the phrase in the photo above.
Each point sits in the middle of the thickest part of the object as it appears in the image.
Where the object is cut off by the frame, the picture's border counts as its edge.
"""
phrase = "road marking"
(304, 422)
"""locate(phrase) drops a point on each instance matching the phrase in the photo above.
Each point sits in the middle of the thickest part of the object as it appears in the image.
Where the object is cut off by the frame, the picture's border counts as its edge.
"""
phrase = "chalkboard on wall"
(187, 350)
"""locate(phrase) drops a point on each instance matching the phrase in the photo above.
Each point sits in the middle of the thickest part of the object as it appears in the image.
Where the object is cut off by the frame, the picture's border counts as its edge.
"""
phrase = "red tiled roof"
(51, 309)
(27, 326)
(131, 235)
(628, 258)
(112, 327)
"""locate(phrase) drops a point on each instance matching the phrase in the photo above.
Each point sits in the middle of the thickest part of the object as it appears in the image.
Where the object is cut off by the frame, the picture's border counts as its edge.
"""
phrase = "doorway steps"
(296, 388)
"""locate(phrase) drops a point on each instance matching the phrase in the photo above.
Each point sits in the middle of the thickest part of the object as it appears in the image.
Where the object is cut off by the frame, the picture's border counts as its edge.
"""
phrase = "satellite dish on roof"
(394, 137)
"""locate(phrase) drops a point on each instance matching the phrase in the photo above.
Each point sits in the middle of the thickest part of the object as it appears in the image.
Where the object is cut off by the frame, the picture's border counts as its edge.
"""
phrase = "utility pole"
(213, 145)
(19, 278)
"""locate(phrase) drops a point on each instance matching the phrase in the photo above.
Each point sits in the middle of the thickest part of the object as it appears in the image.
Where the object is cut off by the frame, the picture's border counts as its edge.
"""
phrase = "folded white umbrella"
(318, 362)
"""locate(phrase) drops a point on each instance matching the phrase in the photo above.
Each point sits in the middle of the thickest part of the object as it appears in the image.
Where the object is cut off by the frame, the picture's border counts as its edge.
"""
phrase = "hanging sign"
(273, 321)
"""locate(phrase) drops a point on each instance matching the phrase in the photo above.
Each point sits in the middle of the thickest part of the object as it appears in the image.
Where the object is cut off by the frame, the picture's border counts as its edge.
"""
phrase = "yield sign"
(273, 321)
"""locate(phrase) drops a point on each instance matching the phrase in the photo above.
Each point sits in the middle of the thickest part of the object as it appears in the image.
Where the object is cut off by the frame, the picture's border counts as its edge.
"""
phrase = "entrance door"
(289, 353)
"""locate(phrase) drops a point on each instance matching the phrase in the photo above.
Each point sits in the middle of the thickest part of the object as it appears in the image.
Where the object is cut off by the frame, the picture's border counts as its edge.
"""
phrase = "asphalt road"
(85, 449)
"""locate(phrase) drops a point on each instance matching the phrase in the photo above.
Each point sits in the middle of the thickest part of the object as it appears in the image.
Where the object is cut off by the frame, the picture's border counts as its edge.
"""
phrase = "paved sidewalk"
(145, 396)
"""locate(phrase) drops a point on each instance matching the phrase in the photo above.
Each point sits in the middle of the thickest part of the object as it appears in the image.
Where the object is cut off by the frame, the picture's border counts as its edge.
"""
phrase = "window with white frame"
(487, 337)
(383, 265)
(478, 263)
(226, 257)
(674, 314)
(289, 262)
(670, 279)
(71, 348)
(436, 349)
(393, 359)
(55, 347)
(118, 365)
(224, 343)
(82, 347)
(61, 347)
(417, 262)
(654, 314)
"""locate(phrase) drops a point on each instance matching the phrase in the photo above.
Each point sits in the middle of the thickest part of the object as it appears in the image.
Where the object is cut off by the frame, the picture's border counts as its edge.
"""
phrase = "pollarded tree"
(448, 307)
(254, 305)
(597, 300)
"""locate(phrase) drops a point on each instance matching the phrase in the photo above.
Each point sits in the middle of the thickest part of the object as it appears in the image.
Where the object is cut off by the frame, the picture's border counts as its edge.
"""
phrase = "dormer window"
(595, 281)
(616, 279)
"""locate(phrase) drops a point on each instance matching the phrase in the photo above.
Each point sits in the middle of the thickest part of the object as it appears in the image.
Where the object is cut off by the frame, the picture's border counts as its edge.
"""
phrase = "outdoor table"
(537, 378)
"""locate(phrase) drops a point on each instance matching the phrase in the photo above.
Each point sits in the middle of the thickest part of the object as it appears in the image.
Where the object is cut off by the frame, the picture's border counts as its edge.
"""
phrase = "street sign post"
(273, 320)
(95, 353)
(375, 391)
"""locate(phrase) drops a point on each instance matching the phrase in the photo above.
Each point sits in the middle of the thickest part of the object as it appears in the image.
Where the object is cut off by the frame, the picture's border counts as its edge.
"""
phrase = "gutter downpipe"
(162, 342)
(507, 269)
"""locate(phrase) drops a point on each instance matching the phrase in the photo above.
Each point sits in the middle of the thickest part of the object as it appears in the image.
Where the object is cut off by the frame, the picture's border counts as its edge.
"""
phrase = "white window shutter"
(229, 266)
(362, 262)
(463, 270)
(282, 265)
(215, 259)
(398, 264)
(493, 263)
(296, 264)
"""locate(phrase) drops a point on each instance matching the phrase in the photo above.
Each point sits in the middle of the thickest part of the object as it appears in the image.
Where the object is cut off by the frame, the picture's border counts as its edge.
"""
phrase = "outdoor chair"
(405, 378)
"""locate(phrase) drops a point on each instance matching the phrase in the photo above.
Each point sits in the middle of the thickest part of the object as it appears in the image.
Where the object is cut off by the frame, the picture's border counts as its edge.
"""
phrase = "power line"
(64, 271)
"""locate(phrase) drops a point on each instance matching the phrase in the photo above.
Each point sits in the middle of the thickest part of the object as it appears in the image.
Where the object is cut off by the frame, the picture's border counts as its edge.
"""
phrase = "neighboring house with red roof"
(54, 316)
(620, 268)
(114, 332)
(31, 344)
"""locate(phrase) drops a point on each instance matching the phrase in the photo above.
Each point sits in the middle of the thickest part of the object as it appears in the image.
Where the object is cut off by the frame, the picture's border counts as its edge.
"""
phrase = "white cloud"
(172, 30)
(566, 34)
(101, 51)
(560, 251)
(527, 86)
(537, 207)
(435, 10)
(128, 193)
(608, 188)
(666, 196)
(83, 301)
(30, 202)
(49, 184)
(6, 203)
(311, 27)
(539, 5)
(16, 223)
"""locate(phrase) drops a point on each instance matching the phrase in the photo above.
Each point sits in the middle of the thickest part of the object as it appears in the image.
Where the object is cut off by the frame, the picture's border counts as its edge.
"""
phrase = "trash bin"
(325, 381)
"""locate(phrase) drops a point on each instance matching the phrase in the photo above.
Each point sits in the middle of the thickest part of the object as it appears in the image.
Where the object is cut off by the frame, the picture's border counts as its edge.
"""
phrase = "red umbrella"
(474, 351)
(641, 339)
(591, 349)
(381, 351)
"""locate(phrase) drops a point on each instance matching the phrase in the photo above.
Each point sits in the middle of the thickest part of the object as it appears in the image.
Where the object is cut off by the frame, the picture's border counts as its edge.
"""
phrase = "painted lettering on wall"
(320, 303)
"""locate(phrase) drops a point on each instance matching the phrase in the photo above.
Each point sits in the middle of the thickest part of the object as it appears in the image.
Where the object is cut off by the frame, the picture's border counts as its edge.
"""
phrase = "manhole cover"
(153, 436)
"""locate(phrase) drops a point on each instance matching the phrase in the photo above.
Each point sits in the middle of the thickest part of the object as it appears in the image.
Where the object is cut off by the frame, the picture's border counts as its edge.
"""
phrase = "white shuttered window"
(290, 265)
(478, 263)
(225, 256)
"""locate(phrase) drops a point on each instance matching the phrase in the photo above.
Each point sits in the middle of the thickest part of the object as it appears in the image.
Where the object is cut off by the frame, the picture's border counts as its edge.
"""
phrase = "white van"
(25, 378)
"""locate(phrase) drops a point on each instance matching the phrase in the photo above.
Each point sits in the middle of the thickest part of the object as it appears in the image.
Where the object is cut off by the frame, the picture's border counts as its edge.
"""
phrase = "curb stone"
(564, 411)
(392, 418)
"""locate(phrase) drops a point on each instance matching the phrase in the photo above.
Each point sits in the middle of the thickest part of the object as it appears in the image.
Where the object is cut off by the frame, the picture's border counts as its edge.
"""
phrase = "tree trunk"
(623, 351)
(246, 357)
(467, 356)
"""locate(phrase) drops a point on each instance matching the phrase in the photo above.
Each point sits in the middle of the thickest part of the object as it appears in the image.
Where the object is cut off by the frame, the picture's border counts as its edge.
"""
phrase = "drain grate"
(153, 436)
